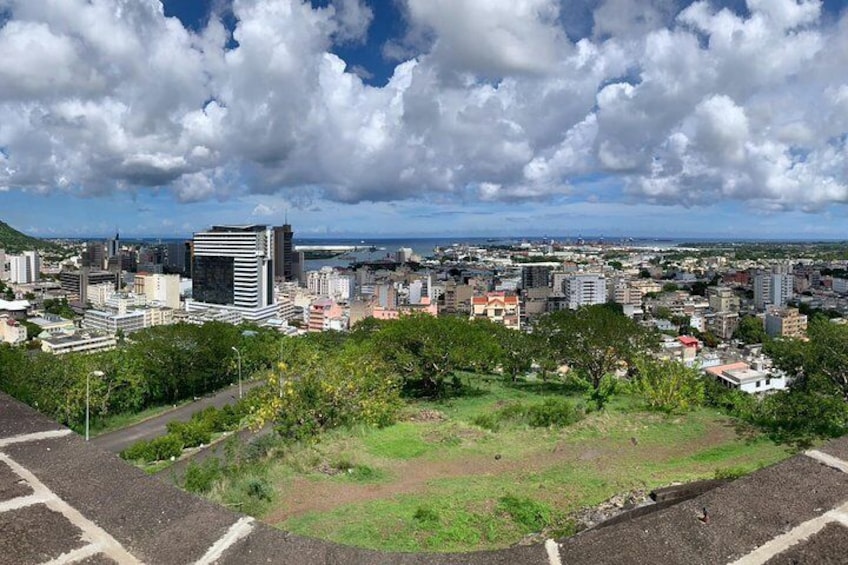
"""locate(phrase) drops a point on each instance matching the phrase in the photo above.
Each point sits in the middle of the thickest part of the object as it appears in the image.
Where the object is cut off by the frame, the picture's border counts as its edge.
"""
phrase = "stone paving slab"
(11, 485)
(269, 545)
(743, 515)
(98, 559)
(17, 419)
(36, 534)
(827, 547)
(154, 521)
(837, 448)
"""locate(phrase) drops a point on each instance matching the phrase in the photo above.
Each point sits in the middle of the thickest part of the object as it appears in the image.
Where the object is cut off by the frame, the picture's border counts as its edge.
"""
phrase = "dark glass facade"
(212, 280)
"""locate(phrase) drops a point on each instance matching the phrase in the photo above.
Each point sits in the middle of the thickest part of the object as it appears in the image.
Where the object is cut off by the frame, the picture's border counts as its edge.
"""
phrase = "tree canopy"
(594, 341)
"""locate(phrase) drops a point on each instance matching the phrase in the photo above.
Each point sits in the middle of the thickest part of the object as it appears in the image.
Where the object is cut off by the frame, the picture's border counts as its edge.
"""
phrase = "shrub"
(731, 473)
(200, 477)
(259, 489)
(526, 512)
(157, 449)
(192, 433)
(426, 516)
(487, 421)
(165, 447)
(138, 451)
(552, 412)
(669, 386)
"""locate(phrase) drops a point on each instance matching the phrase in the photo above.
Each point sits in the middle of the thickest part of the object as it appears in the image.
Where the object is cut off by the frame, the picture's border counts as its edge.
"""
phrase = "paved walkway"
(154, 427)
(65, 501)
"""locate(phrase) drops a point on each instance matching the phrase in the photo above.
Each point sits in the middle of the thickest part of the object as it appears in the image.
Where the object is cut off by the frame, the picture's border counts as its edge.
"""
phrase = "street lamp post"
(238, 354)
(88, 398)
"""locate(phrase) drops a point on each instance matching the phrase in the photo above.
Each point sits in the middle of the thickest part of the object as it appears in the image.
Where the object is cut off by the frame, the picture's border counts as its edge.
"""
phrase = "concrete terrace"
(65, 501)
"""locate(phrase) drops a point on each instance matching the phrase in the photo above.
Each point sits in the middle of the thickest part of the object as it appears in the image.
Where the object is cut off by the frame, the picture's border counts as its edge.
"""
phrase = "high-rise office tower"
(233, 269)
(113, 246)
(283, 252)
(95, 255)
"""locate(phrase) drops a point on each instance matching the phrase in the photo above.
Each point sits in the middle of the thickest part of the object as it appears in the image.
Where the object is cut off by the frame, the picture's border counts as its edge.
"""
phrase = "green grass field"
(437, 482)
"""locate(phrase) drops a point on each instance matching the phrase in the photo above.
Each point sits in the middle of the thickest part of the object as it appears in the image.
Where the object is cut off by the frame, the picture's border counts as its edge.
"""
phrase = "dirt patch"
(428, 415)
(302, 495)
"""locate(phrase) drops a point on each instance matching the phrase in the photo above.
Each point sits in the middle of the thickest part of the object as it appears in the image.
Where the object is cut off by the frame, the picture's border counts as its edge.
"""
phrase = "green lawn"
(440, 483)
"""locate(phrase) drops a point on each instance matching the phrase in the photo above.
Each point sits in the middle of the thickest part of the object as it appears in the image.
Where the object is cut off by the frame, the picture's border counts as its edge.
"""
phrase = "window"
(758, 384)
(768, 382)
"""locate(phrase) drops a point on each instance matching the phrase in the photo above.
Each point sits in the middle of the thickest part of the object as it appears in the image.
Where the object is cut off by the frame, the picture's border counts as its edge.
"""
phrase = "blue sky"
(427, 117)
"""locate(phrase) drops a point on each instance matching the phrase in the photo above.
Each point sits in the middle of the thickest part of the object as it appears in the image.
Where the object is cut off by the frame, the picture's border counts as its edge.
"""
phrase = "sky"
(385, 118)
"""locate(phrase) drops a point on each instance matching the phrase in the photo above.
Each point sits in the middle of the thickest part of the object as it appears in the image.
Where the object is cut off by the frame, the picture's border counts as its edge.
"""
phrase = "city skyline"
(367, 118)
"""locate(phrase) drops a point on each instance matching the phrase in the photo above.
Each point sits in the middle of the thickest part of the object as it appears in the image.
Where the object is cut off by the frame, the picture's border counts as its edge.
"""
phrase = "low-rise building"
(12, 331)
(499, 307)
(53, 324)
(741, 376)
(80, 342)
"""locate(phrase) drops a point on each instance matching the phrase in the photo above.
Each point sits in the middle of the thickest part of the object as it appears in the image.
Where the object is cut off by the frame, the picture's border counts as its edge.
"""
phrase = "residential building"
(785, 322)
(536, 276)
(722, 299)
(233, 269)
(12, 331)
(499, 307)
(2, 264)
(585, 290)
(457, 298)
(329, 283)
(741, 376)
(840, 285)
(324, 315)
(773, 289)
(722, 324)
(24, 268)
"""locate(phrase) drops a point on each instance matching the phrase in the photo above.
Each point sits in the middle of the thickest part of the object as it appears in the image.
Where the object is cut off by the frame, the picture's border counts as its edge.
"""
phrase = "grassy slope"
(458, 507)
(14, 241)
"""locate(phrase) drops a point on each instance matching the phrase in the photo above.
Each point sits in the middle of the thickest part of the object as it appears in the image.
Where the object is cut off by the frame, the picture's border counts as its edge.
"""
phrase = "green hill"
(14, 241)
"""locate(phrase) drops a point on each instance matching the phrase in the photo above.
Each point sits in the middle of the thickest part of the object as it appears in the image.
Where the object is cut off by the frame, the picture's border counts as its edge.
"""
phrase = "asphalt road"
(154, 427)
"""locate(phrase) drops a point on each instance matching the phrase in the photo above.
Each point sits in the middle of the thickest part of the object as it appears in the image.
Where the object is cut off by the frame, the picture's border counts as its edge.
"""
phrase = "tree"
(669, 386)
(819, 364)
(595, 340)
(751, 330)
(426, 351)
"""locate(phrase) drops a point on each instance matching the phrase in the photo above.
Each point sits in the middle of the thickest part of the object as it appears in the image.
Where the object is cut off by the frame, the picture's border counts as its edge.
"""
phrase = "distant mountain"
(14, 241)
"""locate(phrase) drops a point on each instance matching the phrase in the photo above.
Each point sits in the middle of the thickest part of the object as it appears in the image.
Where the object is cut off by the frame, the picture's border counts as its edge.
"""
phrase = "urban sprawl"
(710, 302)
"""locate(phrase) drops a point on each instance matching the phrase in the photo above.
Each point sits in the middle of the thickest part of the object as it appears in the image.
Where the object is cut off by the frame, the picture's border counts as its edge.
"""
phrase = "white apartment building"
(330, 284)
(24, 269)
(585, 290)
(773, 289)
(2, 264)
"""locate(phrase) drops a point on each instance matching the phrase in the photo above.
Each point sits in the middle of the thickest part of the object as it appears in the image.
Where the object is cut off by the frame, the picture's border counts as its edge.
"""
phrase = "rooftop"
(63, 500)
